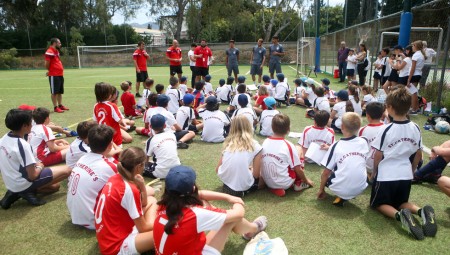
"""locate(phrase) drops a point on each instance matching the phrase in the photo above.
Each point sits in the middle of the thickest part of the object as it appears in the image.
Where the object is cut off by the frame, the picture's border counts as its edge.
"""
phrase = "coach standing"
(257, 60)
(202, 54)
(276, 51)
(140, 57)
(232, 60)
(174, 56)
(55, 74)
(342, 61)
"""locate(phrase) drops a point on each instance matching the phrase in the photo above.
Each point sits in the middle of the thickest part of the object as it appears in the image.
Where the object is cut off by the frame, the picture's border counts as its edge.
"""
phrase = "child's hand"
(309, 182)
(139, 180)
(321, 195)
(235, 200)
(324, 146)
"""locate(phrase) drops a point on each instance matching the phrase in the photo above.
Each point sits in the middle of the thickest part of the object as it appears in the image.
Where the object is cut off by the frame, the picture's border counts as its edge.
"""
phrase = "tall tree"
(170, 7)
(353, 9)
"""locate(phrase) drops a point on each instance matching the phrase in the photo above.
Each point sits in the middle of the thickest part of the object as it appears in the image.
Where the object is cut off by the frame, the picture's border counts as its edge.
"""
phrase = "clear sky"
(142, 18)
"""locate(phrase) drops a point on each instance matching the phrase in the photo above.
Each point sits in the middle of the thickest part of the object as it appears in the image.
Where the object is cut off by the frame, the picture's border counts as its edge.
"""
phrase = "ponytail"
(128, 160)
(354, 91)
(349, 106)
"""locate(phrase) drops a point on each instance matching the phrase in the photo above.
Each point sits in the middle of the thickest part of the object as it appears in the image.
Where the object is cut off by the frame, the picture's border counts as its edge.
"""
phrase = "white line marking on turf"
(247, 73)
(218, 70)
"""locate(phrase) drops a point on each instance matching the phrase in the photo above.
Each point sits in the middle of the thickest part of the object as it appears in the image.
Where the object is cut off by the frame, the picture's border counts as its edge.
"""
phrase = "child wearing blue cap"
(282, 90)
(184, 215)
(183, 86)
(248, 112)
(208, 88)
(186, 115)
(265, 119)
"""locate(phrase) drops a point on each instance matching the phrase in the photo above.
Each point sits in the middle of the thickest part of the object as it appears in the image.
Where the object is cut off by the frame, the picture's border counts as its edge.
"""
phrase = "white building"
(157, 37)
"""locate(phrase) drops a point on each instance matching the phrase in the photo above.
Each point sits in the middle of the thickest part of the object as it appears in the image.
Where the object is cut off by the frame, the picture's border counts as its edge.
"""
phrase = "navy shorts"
(393, 76)
(403, 80)
(233, 68)
(256, 70)
(142, 76)
(351, 72)
(180, 134)
(307, 103)
(416, 78)
(45, 177)
(175, 70)
(56, 84)
(377, 76)
(393, 193)
(201, 71)
(274, 67)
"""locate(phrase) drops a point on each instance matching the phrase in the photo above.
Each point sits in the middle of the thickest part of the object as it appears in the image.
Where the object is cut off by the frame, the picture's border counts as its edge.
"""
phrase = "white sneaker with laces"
(301, 187)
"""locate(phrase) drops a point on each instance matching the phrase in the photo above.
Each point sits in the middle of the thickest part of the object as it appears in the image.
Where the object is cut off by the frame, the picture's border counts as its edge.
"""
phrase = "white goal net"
(101, 56)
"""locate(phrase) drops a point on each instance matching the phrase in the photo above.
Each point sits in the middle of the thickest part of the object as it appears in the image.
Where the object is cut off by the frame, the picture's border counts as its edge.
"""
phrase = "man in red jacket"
(140, 57)
(55, 74)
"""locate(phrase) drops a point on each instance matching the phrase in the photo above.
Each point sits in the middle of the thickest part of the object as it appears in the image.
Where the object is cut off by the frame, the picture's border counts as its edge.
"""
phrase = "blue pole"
(317, 60)
(405, 24)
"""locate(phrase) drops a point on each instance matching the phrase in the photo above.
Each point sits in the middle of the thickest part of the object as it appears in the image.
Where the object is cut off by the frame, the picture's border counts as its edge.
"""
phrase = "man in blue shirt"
(232, 60)
(257, 60)
(276, 51)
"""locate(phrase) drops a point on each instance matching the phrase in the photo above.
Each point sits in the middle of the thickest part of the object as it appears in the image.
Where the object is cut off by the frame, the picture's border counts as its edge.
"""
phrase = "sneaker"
(410, 224)
(32, 199)
(339, 202)
(62, 107)
(138, 95)
(278, 192)
(9, 199)
(429, 226)
(261, 222)
(181, 145)
(299, 186)
(58, 110)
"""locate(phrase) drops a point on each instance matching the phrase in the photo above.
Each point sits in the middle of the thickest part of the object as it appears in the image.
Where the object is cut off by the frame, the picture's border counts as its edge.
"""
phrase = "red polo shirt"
(174, 53)
(141, 59)
(203, 61)
(56, 67)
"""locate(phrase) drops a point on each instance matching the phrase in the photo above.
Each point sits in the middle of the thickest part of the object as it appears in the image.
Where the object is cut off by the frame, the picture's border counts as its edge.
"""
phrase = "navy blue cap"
(162, 100)
(274, 82)
(157, 121)
(243, 100)
(208, 77)
(181, 179)
(342, 94)
(326, 81)
(183, 79)
(221, 81)
(266, 78)
(241, 79)
(211, 101)
(280, 76)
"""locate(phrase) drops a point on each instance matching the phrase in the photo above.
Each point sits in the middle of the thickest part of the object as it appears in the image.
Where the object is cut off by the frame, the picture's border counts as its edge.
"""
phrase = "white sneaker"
(261, 222)
(301, 186)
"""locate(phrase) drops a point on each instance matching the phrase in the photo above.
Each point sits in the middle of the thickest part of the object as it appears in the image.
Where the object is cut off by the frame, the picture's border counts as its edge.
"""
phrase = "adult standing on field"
(232, 60)
(174, 56)
(257, 60)
(140, 57)
(192, 63)
(55, 74)
(202, 54)
(276, 51)
(341, 60)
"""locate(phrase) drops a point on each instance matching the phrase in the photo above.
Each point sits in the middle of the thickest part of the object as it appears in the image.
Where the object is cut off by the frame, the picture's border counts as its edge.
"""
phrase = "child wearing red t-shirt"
(259, 104)
(106, 112)
(181, 229)
(125, 209)
(128, 101)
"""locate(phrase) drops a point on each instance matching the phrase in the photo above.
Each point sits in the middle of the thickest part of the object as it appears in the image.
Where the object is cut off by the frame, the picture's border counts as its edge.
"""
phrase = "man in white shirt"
(192, 63)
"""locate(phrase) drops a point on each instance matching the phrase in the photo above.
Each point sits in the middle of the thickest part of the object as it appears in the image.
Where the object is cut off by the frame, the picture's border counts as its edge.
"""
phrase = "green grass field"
(306, 225)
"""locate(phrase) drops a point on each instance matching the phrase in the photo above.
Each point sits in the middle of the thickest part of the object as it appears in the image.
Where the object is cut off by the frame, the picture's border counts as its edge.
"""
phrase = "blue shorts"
(274, 66)
(45, 177)
(256, 70)
(351, 72)
(233, 68)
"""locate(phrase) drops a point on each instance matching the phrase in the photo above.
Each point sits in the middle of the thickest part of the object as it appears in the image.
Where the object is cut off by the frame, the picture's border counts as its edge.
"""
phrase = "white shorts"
(129, 244)
(208, 250)
(412, 89)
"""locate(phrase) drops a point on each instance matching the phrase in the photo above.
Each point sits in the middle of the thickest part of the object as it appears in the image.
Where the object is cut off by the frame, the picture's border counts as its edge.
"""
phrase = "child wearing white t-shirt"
(186, 115)
(300, 86)
(282, 168)
(80, 146)
(142, 102)
(240, 165)
(208, 88)
(218, 90)
(161, 148)
(374, 112)
(342, 106)
(367, 98)
(227, 92)
(398, 148)
(265, 119)
(353, 96)
(215, 123)
(175, 96)
(183, 86)
(345, 163)
(249, 113)
(351, 64)
(321, 103)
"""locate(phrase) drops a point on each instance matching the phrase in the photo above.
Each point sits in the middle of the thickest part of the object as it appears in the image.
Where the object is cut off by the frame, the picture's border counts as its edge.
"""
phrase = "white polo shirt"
(175, 97)
(339, 107)
(347, 159)
(313, 134)
(310, 94)
(226, 92)
(185, 115)
(280, 90)
(265, 122)
(404, 72)
(208, 88)
(356, 105)
(170, 119)
(397, 141)
(38, 138)
(15, 155)
(322, 104)
(420, 62)
(163, 148)
(77, 149)
(234, 171)
(235, 101)
(370, 132)
(213, 125)
(249, 113)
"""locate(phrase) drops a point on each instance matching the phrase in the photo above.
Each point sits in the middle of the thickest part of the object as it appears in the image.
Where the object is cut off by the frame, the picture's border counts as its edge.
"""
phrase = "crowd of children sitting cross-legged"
(106, 190)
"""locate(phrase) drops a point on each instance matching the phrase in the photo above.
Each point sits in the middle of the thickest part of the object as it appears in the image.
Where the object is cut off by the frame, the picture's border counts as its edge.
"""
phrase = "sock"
(397, 216)
(419, 212)
(435, 166)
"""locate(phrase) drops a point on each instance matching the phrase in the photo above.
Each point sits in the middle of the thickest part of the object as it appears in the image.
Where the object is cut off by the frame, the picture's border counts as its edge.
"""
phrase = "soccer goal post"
(101, 56)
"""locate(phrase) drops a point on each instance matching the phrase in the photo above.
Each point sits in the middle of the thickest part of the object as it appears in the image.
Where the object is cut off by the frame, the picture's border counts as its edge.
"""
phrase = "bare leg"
(126, 138)
(444, 185)
(54, 96)
(187, 137)
(217, 239)
(375, 84)
(59, 99)
(412, 207)
(259, 79)
(387, 210)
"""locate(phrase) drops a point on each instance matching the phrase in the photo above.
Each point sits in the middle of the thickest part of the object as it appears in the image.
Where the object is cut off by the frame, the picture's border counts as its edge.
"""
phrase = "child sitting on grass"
(345, 163)
(45, 146)
(353, 96)
(128, 123)
(215, 123)
(374, 112)
(208, 88)
(185, 214)
(128, 102)
(240, 165)
(80, 146)
(146, 130)
(282, 91)
(234, 105)
(368, 97)
(265, 119)
(259, 104)
(175, 96)
(318, 133)
(183, 86)
(161, 148)
(431, 172)
(300, 86)
(282, 168)
(393, 170)
(320, 103)
(186, 116)
(227, 91)
(330, 95)
(22, 175)
(308, 96)
(249, 113)
(89, 175)
(159, 88)
(142, 102)
(342, 106)
(218, 90)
